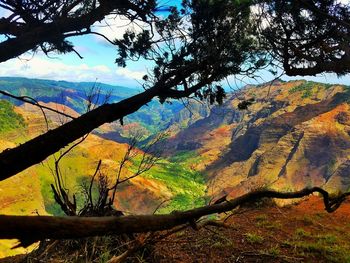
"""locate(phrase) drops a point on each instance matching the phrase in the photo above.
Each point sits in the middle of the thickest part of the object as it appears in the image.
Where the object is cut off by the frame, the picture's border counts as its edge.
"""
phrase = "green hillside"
(9, 119)
(153, 117)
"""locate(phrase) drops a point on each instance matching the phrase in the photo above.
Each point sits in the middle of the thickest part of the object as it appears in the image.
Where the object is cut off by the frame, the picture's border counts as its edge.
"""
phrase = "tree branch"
(32, 101)
(36, 150)
(29, 229)
(39, 33)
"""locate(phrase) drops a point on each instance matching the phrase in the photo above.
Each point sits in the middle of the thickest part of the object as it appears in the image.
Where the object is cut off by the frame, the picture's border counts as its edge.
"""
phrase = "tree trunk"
(29, 229)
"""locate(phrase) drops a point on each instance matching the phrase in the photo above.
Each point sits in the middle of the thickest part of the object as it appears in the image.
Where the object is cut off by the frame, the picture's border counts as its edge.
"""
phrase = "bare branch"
(29, 229)
(32, 101)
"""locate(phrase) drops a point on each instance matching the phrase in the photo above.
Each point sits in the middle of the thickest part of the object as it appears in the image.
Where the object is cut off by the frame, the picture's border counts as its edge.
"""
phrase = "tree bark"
(28, 36)
(29, 229)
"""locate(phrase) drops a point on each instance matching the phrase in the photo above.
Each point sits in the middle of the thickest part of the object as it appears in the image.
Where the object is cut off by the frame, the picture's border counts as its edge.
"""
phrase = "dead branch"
(60, 193)
(29, 229)
(137, 244)
(151, 154)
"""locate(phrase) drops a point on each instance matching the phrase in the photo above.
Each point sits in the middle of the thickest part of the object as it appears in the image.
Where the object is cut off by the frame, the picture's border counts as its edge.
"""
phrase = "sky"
(98, 63)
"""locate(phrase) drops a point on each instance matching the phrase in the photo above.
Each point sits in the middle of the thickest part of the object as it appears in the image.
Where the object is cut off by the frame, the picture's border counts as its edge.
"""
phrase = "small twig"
(160, 205)
(32, 101)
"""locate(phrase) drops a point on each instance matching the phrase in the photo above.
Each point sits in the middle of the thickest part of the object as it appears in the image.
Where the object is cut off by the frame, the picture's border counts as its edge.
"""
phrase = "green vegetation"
(186, 157)
(254, 238)
(306, 94)
(300, 232)
(330, 251)
(72, 94)
(9, 119)
(72, 167)
(307, 86)
(332, 247)
(262, 221)
(275, 251)
(187, 186)
(29, 87)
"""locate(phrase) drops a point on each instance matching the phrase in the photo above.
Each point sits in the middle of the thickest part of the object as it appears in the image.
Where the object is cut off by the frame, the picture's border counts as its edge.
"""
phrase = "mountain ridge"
(294, 134)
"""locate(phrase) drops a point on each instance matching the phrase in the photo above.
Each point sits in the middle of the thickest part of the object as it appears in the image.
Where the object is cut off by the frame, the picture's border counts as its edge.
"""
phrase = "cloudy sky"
(98, 61)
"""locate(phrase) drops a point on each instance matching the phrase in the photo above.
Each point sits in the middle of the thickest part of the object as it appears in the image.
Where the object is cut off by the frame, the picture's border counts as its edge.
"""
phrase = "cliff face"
(142, 194)
(295, 134)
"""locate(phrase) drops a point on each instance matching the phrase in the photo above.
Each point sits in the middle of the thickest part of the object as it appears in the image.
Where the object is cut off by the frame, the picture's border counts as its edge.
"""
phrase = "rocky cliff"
(295, 134)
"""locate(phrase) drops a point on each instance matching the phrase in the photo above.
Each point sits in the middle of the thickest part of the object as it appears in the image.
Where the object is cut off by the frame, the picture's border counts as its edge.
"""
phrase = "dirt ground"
(298, 233)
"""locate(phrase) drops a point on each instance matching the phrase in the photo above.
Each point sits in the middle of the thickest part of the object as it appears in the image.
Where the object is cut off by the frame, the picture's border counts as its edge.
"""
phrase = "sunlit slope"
(142, 194)
(295, 134)
(30, 193)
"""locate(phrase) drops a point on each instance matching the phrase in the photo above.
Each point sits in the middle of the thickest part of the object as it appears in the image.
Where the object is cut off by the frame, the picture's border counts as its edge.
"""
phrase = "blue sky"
(98, 61)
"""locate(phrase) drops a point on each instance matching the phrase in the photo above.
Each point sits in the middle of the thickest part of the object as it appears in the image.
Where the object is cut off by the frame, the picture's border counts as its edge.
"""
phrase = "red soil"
(297, 233)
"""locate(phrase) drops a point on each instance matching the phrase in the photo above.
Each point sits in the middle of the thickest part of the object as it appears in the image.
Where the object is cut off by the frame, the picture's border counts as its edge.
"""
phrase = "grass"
(307, 87)
(254, 238)
(269, 225)
(308, 220)
(9, 119)
(300, 232)
(220, 244)
(330, 246)
(306, 94)
(187, 186)
(328, 239)
(263, 221)
(74, 170)
(261, 217)
(186, 158)
(275, 251)
(331, 252)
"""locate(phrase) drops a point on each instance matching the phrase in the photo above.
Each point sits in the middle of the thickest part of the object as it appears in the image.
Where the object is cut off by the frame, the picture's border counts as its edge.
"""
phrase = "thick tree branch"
(29, 229)
(36, 150)
(39, 33)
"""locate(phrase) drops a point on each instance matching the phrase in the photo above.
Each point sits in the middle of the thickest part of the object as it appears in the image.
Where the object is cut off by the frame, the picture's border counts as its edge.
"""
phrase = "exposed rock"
(285, 140)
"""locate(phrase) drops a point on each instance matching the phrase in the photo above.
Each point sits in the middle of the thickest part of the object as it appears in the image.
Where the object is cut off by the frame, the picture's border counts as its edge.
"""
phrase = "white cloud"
(130, 74)
(114, 27)
(51, 69)
(42, 67)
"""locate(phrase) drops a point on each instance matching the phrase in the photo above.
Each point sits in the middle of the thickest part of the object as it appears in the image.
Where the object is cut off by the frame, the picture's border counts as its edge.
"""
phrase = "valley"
(295, 134)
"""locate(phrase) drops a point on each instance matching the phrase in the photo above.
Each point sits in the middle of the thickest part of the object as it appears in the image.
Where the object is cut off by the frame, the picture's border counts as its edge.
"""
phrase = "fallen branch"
(29, 229)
